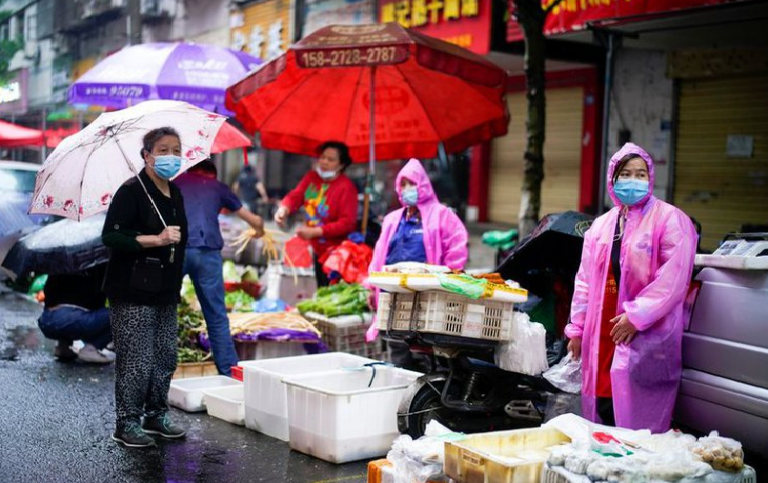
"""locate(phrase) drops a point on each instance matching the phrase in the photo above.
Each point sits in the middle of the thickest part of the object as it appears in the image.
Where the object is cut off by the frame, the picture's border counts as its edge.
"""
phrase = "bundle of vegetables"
(336, 300)
(238, 301)
(191, 323)
(270, 248)
(255, 323)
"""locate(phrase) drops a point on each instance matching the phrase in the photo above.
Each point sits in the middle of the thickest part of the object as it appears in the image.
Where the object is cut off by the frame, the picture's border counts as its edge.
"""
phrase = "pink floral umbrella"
(82, 174)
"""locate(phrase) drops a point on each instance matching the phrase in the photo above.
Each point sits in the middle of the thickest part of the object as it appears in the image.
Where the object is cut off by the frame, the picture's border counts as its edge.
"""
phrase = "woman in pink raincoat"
(423, 230)
(627, 313)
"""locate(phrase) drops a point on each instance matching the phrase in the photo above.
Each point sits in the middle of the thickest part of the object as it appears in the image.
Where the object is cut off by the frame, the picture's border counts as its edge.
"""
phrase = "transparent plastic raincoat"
(657, 253)
(445, 237)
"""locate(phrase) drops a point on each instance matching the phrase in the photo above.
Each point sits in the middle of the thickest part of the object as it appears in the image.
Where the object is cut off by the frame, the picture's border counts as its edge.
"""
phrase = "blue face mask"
(410, 196)
(630, 191)
(167, 166)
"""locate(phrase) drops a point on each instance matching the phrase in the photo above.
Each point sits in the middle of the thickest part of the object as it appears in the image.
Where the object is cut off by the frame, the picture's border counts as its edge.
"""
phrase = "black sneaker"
(131, 435)
(163, 427)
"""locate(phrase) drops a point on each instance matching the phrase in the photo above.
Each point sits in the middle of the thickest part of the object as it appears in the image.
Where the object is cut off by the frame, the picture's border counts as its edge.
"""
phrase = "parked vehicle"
(17, 182)
(725, 344)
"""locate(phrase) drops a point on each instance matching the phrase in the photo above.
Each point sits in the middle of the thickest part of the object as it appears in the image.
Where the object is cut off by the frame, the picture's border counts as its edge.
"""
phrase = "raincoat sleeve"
(346, 221)
(117, 232)
(580, 300)
(454, 240)
(295, 198)
(670, 283)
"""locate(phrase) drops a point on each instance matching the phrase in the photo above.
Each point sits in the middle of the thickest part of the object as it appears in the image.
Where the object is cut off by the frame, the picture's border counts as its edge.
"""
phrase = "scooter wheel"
(425, 407)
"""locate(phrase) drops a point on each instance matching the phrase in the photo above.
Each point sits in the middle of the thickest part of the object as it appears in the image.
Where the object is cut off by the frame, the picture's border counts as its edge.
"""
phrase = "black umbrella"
(66, 246)
(554, 245)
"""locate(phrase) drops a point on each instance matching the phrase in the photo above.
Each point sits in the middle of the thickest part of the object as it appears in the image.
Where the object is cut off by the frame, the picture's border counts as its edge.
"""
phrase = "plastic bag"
(723, 454)
(421, 460)
(562, 403)
(297, 253)
(566, 375)
(350, 260)
(526, 352)
(465, 285)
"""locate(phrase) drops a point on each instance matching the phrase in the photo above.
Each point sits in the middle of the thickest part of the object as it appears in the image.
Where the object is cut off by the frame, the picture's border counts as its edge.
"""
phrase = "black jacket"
(131, 214)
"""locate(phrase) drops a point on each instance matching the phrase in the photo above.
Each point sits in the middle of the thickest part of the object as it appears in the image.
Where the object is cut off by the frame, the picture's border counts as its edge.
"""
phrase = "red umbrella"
(14, 136)
(414, 90)
(425, 92)
(230, 137)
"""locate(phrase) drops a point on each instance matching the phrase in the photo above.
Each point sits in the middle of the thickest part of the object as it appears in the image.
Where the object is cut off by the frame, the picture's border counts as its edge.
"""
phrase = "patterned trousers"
(145, 344)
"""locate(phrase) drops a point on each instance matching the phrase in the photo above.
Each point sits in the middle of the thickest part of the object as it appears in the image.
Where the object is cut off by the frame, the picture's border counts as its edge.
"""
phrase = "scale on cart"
(740, 251)
(725, 344)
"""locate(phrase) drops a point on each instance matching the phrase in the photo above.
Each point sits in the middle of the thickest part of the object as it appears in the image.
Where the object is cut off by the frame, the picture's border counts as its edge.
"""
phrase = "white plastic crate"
(187, 394)
(266, 397)
(446, 313)
(226, 403)
(336, 417)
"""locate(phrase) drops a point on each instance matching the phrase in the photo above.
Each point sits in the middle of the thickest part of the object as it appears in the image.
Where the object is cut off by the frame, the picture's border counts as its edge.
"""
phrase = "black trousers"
(605, 410)
(320, 276)
(145, 345)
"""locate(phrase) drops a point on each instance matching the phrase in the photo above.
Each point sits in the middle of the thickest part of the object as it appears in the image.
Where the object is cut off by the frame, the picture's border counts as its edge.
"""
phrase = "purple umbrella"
(195, 73)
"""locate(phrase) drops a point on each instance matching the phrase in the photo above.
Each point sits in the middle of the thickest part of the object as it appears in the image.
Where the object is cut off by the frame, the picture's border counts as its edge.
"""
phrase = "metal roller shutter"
(722, 192)
(562, 156)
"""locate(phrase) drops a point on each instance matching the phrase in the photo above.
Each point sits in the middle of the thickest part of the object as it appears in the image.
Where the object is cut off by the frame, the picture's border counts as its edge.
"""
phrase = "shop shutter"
(721, 192)
(562, 156)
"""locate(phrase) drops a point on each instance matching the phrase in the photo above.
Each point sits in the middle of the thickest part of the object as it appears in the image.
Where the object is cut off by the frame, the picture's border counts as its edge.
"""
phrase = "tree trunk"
(531, 17)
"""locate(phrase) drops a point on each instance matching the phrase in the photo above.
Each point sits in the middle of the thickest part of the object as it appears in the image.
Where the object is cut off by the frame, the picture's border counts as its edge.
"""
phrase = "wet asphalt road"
(56, 419)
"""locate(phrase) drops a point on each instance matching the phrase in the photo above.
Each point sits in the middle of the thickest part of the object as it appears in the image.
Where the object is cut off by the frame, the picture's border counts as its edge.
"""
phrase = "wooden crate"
(195, 369)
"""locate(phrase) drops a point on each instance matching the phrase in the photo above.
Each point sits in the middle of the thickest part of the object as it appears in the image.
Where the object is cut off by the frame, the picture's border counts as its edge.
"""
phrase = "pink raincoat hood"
(414, 172)
(445, 237)
(626, 150)
(656, 259)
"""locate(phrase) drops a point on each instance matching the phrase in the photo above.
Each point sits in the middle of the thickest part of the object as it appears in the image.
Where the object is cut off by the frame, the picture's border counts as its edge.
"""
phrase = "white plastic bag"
(566, 375)
(526, 351)
(421, 460)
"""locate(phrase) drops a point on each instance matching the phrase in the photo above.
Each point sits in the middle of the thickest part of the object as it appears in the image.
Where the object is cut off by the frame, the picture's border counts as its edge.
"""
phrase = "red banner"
(570, 15)
(466, 23)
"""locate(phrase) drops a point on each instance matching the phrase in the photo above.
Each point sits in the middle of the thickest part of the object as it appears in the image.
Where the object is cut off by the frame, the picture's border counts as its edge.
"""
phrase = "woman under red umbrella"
(329, 200)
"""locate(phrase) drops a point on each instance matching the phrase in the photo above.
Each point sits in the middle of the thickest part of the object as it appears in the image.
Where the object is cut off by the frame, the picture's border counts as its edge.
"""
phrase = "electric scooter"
(466, 391)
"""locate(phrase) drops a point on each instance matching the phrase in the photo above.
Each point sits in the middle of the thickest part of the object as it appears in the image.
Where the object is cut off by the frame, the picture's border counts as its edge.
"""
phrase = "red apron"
(607, 346)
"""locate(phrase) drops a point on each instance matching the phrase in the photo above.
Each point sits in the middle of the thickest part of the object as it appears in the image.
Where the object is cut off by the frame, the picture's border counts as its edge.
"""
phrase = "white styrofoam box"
(424, 282)
(266, 397)
(187, 394)
(336, 417)
(226, 403)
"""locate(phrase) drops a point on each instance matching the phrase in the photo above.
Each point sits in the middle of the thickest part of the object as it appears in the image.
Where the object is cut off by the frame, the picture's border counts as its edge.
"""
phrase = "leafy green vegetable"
(190, 325)
(336, 300)
(230, 272)
(238, 301)
(250, 275)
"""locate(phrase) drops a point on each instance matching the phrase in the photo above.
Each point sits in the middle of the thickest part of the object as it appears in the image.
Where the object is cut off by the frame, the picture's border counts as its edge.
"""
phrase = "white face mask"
(326, 175)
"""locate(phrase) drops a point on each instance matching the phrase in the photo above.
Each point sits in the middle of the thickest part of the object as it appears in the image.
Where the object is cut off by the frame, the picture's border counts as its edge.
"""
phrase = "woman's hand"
(574, 347)
(372, 301)
(308, 233)
(623, 331)
(169, 236)
(281, 215)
